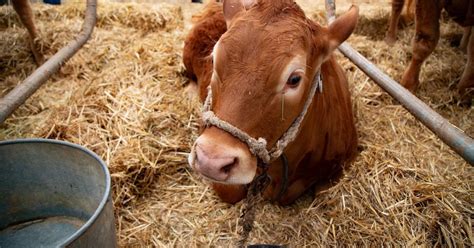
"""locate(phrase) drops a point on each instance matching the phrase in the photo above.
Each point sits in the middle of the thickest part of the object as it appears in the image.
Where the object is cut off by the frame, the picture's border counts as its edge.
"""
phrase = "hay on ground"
(122, 97)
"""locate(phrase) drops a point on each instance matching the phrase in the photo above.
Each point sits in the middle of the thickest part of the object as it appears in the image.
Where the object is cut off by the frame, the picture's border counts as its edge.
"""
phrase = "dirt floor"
(122, 96)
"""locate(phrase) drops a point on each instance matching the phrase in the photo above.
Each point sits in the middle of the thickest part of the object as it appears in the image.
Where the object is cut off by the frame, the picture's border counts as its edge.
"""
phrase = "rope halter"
(258, 147)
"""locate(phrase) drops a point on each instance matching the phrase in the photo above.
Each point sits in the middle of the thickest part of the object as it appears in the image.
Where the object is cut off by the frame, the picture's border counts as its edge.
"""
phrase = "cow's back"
(208, 28)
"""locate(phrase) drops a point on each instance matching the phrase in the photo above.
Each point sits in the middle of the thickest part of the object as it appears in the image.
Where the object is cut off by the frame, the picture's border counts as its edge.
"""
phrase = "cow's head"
(267, 59)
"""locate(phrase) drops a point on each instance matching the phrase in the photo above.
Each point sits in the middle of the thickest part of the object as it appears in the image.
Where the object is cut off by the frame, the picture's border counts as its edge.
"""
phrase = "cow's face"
(264, 66)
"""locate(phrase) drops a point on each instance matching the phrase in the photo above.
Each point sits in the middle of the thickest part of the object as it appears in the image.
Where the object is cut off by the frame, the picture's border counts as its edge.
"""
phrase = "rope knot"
(259, 148)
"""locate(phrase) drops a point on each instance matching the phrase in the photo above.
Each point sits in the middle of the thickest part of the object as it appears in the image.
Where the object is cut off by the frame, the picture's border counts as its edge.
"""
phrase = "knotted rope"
(247, 217)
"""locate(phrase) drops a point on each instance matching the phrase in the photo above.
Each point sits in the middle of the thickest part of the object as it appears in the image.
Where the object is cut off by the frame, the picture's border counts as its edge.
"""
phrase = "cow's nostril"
(227, 168)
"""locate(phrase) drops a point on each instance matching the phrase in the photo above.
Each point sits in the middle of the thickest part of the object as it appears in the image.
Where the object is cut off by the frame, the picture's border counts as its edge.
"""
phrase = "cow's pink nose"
(214, 166)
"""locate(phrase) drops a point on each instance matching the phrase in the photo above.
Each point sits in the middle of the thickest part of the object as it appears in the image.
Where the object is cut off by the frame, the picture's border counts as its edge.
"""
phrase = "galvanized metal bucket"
(54, 193)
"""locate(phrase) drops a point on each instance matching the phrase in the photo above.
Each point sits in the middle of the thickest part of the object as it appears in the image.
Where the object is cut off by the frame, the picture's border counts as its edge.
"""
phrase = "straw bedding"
(122, 96)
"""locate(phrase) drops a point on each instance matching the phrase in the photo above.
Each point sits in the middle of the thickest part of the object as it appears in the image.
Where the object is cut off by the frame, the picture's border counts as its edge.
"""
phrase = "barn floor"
(122, 96)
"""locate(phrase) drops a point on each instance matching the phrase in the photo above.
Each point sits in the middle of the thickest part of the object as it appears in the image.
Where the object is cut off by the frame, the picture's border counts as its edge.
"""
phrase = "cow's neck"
(327, 131)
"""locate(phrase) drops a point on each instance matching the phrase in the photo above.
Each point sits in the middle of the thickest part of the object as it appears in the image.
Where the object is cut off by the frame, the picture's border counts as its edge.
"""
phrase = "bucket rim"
(104, 199)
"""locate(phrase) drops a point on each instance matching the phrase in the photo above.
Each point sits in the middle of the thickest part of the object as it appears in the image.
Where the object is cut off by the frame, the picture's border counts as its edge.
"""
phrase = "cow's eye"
(294, 80)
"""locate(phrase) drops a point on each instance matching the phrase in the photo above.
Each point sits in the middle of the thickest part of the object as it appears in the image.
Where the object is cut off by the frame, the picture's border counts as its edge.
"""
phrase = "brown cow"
(427, 16)
(260, 72)
(23, 9)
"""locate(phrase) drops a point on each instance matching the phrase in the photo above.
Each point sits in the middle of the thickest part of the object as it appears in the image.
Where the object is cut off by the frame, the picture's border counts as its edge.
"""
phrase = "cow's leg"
(294, 190)
(467, 79)
(298, 187)
(410, 11)
(230, 193)
(465, 38)
(425, 40)
(23, 8)
(391, 35)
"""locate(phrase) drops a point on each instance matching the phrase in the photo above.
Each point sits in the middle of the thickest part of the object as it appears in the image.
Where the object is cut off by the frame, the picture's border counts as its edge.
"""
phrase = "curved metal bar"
(447, 132)
(20, 93)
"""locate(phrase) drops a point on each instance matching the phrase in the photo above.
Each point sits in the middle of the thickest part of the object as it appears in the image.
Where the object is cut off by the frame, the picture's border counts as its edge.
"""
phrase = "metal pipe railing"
(20, 93)
(447, 132)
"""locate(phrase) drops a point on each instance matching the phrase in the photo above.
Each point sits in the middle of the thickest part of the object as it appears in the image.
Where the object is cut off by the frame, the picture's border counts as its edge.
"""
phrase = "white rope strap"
(258, 147)
(294, 129)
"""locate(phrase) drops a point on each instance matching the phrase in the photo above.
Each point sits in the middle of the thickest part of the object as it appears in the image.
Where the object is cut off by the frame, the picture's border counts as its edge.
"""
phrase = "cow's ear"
(341, 28)
(232, 7)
